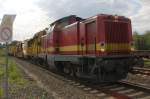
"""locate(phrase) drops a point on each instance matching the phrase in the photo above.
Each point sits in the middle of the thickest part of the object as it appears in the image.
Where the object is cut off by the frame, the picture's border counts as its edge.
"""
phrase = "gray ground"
(29, 90)
(42, 85)
(55, 88)
(140, 79)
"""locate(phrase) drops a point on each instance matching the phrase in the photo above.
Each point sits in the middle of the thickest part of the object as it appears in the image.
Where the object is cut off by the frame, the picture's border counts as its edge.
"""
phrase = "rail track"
(143, 71)
(118, 90)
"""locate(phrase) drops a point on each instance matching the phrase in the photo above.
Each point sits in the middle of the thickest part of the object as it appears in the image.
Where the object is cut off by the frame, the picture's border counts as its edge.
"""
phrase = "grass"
(14, 74)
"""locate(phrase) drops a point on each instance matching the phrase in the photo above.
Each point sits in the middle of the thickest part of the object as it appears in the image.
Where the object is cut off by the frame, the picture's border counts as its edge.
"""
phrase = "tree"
(142, 42)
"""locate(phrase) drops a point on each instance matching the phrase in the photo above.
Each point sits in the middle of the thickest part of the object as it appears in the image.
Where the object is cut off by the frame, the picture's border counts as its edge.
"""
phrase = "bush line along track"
(119, 90)
(143, 71)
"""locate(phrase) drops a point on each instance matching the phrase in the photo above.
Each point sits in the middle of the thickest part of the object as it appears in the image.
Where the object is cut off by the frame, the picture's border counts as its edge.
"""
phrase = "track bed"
(69, 88)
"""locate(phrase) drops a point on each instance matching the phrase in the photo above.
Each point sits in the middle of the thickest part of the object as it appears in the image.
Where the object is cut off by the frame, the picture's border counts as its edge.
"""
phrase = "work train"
(98, 48)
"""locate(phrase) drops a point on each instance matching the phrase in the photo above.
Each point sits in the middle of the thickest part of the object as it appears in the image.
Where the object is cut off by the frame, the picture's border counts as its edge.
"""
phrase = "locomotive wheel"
(46, 64)
(59, 66)
(67, 70)
(76, 72)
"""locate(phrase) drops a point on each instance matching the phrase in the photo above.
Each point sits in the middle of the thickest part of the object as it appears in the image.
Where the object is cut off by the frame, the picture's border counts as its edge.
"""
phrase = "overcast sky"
(35, 15)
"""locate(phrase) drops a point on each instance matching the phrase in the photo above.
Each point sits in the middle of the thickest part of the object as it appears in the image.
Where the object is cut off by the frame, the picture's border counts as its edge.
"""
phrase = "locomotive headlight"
(132, 43)
(116, 17)
(102, 47)
(132, 49)
(102, 50)
(132, 46)
(102, 44)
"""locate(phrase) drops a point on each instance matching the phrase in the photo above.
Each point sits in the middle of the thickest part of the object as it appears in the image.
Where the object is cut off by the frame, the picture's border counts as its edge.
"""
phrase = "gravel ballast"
(56, 88)
(139, 79)
(29, 90)
(45, 85)
(53, 87)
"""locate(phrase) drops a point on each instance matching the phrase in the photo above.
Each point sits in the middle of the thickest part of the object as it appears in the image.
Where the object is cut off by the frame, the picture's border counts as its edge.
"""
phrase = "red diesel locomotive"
(98, 48)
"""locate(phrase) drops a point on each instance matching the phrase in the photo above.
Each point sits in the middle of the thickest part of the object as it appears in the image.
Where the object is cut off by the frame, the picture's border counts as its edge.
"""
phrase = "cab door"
(90, 37)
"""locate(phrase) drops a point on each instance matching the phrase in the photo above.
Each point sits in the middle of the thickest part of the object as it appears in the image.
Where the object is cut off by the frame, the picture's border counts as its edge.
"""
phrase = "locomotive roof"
(39, 33)
(14, 42)
(66, 18)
